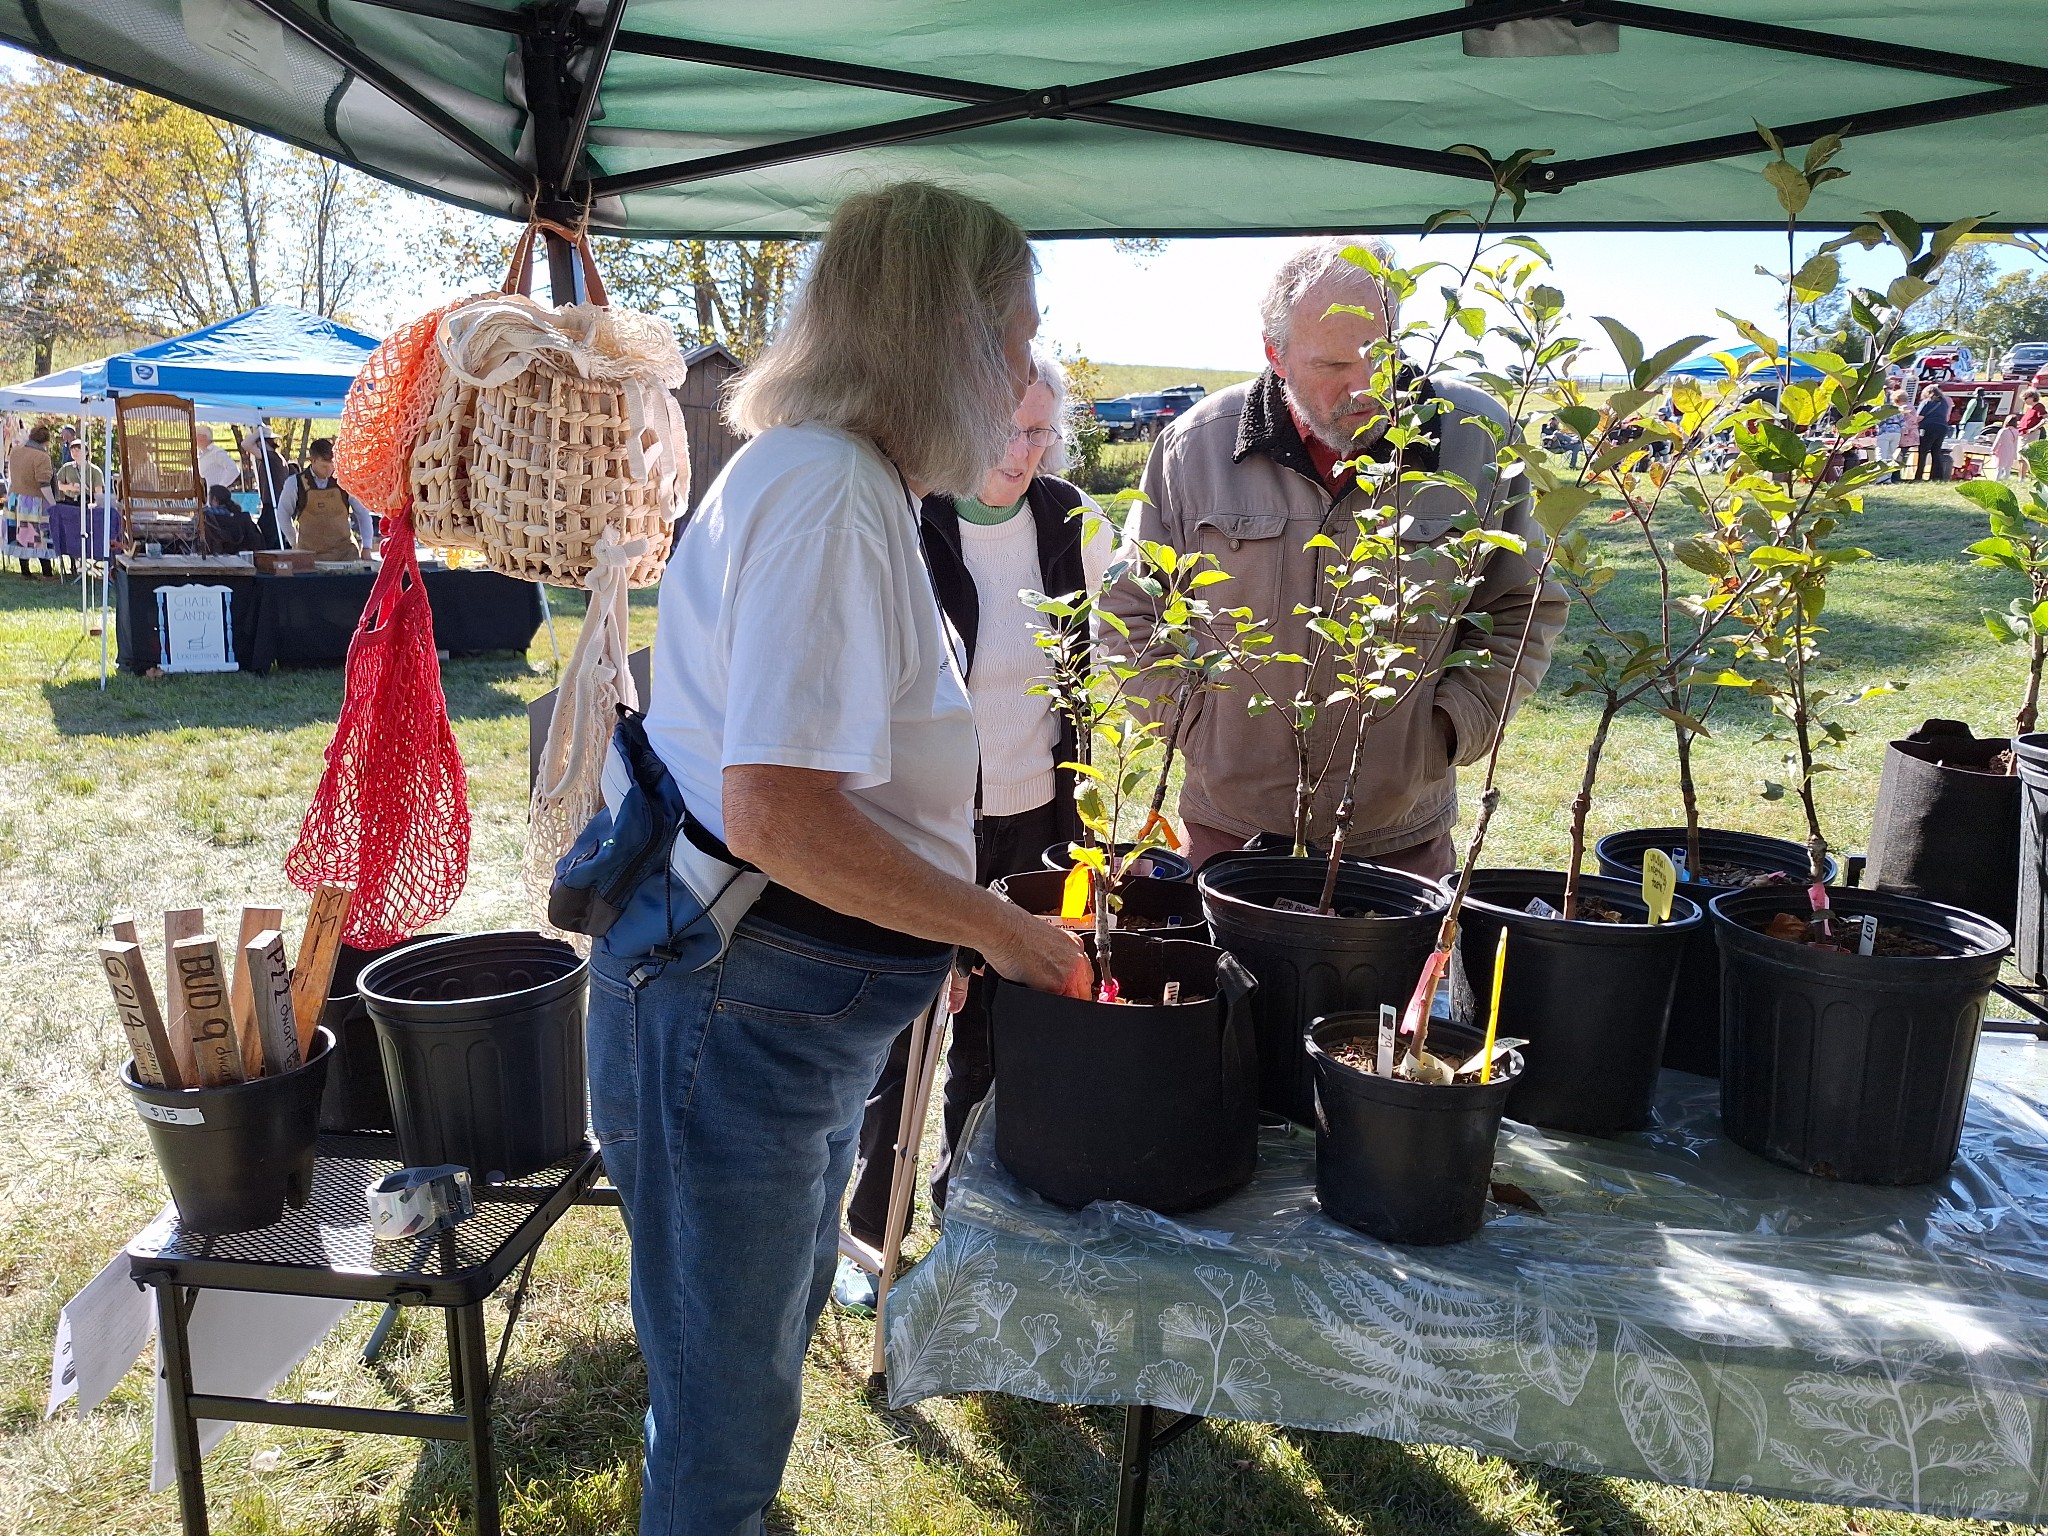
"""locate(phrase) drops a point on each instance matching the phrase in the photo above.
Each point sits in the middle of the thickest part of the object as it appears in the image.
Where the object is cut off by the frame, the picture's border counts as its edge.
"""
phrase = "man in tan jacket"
(1249, 476)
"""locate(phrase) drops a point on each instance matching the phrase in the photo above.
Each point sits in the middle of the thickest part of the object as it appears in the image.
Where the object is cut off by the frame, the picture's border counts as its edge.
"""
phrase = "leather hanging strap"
(519, 278)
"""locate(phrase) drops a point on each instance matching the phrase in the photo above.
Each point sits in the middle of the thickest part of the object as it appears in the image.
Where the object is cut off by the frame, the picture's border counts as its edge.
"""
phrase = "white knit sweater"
(1018, 730)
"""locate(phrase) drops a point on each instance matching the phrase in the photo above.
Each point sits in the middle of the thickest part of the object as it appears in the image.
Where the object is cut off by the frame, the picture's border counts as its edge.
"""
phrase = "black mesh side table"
(326, 1250)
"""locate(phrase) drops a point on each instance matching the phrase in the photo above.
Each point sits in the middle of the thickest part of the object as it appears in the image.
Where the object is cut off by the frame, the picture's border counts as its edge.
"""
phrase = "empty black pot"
(1405, 1162)
(1947, 828)
(1592, 999)
(1692, 1043)
(235, 1156)
(1308, 966)
(2030, 932)
(1152, 1104)
(1168, 909)
(1845, 1066)
(1165, 863)
(482, 1039)
(357, 1097)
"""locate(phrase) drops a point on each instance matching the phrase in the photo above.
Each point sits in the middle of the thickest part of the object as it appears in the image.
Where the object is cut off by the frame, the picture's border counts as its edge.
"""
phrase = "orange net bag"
(385, 407)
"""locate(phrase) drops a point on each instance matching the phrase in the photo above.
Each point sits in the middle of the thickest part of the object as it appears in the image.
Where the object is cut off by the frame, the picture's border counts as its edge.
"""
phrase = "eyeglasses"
(1037, 437)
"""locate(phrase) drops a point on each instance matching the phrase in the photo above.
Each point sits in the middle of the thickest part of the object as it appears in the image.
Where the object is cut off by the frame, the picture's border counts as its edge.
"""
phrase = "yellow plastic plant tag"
(1074, 895)
(1660, 882)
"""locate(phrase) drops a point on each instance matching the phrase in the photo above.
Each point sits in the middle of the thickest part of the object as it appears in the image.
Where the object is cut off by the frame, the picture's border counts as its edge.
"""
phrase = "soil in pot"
(1846, 1066)
(1591, 998)
(1843, 937)
(1728, 861)
(1308, 965)
(1402, 1161)
(1168, 908)
(1151, 1103)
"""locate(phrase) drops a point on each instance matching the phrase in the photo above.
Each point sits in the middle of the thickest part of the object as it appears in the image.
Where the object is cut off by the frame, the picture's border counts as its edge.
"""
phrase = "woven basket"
(549, 470)
(441, 515)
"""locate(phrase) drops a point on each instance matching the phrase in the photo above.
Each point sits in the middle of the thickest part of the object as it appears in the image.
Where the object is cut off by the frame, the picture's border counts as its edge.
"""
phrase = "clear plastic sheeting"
(1678, 1309)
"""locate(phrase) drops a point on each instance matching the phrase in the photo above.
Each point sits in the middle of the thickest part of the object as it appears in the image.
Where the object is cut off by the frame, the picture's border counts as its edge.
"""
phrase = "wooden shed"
(712, 442)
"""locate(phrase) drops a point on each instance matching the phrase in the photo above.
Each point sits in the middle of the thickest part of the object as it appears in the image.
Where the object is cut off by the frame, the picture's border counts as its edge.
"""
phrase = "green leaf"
(1443, 216)
(1207, 578)
(1992, 495)
(1627, 345)
(1904, 291)
(1556, 510)
(1820, 276)
(1792, 188)
(1584, 420)
(1702, 556)
(1624, 403)
(1527, 243)
(1900, 230)
(1656, 367)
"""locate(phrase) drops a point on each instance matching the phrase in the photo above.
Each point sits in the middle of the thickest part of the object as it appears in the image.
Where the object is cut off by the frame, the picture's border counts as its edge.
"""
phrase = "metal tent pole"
(106, 538)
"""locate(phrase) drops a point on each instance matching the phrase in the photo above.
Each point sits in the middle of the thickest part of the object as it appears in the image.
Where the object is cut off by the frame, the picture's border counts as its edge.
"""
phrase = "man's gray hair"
(1311, 265)
(897, 335)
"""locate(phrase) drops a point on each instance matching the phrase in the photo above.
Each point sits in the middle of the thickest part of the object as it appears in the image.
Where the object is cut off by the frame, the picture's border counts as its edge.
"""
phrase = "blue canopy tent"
(1711, 367)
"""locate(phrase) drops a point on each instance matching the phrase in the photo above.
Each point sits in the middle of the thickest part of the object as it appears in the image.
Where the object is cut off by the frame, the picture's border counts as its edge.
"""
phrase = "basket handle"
(519, 277)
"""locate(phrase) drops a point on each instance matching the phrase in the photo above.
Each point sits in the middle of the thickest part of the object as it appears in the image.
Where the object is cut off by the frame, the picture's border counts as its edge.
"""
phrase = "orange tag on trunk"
(1158, 819)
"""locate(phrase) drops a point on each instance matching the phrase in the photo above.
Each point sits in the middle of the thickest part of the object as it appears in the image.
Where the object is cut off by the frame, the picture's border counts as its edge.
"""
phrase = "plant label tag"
(1538, 907)
(1660, 883)
(166, 1114)
(1390, 1023)
(1074, 893)
(1169, 994)
(1678, 863)
(1866, 942)
(1289, 904)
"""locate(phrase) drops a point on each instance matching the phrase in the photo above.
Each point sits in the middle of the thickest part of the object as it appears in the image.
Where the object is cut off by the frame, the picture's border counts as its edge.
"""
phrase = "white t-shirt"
(217, 466)
(797, 627)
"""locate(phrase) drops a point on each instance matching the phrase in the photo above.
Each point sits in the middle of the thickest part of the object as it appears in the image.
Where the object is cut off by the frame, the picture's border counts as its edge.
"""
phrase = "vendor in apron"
(325, 520)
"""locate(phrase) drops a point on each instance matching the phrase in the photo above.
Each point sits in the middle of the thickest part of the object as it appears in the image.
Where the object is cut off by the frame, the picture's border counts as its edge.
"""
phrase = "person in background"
(1891, 431)
(2033, 415)
(216, 465)
(322, 517)
(1934, 417)
(2005, 447)
(229, 530)
(1024, 530)
(1255, 471)
(268, 471)
(809, 708)
(30, 493)
(79, 483)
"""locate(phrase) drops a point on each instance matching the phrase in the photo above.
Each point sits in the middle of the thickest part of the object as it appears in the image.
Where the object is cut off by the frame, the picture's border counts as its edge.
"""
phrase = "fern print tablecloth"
(1679, 1310)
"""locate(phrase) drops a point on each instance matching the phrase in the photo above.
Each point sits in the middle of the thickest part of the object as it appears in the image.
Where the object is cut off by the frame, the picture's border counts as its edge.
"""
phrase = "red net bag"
(391, 816)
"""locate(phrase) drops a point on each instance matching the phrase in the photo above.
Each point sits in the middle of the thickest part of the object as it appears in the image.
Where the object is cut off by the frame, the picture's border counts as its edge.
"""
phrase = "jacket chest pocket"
(1256, 549)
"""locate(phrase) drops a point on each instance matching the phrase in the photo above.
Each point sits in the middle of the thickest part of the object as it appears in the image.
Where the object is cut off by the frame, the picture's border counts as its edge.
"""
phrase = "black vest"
(1050, 502)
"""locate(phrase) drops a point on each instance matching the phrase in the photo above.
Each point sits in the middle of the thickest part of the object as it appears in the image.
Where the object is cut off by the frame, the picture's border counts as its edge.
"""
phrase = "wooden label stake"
(148, 1040)
(207, 1020)
(242, 997)
(180, 923)
(270, 988)
(318, 951)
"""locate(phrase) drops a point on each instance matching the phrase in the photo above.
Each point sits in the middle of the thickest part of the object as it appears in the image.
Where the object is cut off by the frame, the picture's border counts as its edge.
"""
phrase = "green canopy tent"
(737, 118)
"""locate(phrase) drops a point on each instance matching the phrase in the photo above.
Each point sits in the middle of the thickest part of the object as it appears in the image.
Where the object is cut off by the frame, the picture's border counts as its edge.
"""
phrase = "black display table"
(326, 1250)
(308, 620)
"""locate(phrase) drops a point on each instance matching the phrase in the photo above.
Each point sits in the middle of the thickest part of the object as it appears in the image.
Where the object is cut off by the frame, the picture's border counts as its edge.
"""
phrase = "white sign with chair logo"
(196, 628)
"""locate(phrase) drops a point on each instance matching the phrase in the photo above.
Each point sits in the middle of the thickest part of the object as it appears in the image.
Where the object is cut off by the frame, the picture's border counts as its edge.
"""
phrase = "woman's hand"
(1033, 953)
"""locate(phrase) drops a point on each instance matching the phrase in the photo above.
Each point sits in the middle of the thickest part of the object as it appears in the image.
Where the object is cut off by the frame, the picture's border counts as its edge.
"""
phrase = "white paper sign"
(243, 1343)
(196, 628)
(100, 1333)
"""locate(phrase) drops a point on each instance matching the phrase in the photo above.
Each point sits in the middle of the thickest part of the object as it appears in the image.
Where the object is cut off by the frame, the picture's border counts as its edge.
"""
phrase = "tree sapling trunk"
(1688, 792)
(1582, 805)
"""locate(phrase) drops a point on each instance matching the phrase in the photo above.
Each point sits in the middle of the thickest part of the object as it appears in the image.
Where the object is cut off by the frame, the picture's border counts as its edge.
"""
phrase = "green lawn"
(1146, 378)
(179, 791)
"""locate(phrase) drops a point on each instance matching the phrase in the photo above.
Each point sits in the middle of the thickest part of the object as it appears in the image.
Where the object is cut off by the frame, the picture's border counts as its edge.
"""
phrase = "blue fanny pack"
(645, 877)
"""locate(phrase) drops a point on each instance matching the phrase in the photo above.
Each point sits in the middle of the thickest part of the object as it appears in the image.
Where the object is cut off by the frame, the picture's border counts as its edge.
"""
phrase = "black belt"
(779, 905)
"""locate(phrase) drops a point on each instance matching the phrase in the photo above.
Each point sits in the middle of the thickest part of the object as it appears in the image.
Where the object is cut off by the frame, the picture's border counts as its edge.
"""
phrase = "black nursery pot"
(1166, 864)
(1852, 1067)
(1174, 906)
(1692, 1043)
(235, 1156)
(1592, 999)
(1308, 966)
(1947, 828)
(357, 1097)
(482, 1038)
(2030, 931)
(1405, 1162)
(1152, 1104)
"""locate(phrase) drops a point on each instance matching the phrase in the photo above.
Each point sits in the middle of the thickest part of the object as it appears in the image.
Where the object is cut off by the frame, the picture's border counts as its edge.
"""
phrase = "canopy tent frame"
(553, 39)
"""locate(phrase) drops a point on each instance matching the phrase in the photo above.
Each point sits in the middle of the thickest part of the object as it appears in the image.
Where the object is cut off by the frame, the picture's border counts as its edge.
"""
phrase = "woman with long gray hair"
(809, 708)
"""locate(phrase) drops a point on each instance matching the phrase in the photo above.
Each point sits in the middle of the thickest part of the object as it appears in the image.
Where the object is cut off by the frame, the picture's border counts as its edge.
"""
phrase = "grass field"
(178, 791)
(1144, 378)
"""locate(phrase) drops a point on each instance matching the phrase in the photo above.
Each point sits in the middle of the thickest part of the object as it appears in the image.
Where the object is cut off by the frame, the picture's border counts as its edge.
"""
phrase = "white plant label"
(1169, 994)
(166, 1114)
(1538, 907)
(1867, 943)
(1390, 1023)
(1678, 863)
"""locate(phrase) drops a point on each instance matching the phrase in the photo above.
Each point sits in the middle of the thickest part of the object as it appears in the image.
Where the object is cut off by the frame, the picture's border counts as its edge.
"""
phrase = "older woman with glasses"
(809, 707)
(1024, 530)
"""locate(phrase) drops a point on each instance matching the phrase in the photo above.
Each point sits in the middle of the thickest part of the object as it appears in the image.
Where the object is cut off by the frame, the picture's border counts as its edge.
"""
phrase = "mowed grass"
(180, 791)
(1148, 378)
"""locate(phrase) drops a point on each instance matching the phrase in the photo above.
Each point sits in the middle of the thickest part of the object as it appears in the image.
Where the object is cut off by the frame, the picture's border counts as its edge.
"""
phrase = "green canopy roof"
(1080, 117)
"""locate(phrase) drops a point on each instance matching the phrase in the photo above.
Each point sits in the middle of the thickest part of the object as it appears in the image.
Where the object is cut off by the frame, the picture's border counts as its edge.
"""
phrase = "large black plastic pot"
(1405, 1162)
(1845, 1066)
(1147, 1103)
(2030, 929)
(1173, 905)
(234, 1157)
(482, 1039)
(1308, 966)
(1592, 999)
(1164, 863)
(1947, 828)
(357, 1097)
(1692, 1043)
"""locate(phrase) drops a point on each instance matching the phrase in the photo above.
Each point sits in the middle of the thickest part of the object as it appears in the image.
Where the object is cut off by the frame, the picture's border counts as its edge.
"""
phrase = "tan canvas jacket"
(1232, 479)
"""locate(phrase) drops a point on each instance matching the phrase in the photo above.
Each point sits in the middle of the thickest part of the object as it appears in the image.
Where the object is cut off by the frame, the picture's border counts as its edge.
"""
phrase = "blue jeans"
(727, 1101)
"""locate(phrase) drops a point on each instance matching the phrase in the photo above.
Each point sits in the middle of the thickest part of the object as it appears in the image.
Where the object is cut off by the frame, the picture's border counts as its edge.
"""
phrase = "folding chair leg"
(927, 1045)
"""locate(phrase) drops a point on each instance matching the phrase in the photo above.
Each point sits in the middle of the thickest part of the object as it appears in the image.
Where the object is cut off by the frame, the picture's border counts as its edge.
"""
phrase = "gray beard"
(1329, 434)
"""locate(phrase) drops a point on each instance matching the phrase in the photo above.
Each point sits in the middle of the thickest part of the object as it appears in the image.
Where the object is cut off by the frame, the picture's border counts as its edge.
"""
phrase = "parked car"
(1118, 418)
(2024, 360)
(1155, 411)
(1192, 392)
